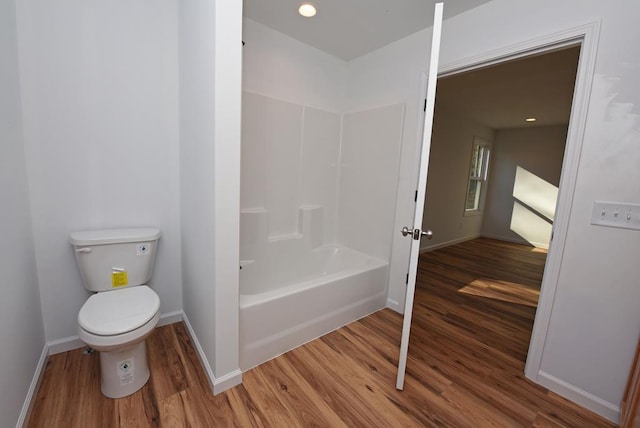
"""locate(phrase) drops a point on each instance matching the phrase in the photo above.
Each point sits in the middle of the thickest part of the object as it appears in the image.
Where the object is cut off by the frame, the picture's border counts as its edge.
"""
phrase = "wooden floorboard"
(473, 315)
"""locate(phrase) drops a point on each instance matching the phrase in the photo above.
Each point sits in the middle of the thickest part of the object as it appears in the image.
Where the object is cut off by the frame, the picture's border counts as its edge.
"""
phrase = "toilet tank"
(115, 258)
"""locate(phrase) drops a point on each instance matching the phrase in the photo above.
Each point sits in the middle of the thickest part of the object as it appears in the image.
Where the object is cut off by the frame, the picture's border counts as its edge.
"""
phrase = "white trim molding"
(588, 36)
(27, 406)
(580, 396)
(65, 344)
(222, 383)
(516, 240)
(203, 358)
(170, 318)
(449, 243)
(395, 306)
(227, 381)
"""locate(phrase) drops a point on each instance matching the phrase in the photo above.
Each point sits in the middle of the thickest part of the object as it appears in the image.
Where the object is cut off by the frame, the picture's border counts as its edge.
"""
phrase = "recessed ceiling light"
(307, 10)
(530, 119)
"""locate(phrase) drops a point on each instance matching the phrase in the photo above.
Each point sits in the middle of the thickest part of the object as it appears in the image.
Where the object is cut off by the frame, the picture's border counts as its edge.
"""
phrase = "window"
(477, 176)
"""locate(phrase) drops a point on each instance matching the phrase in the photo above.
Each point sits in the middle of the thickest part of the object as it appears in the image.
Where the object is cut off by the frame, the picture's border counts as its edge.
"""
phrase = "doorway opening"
(496, 159)
(585, 37)
(497, 150)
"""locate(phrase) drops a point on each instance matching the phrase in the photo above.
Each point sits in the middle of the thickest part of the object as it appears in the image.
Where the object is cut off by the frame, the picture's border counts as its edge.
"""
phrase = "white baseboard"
(224, 382)
(579, 396)
(516, 240)
(33, 388)
(170, 318)
(227, 381)
(203, 359)
(70, 343)
(394, 305)
(65, 344)
(448, 243)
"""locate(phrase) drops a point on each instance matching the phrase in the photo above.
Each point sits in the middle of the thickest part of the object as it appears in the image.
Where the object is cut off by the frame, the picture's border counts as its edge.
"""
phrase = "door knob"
(416, 234)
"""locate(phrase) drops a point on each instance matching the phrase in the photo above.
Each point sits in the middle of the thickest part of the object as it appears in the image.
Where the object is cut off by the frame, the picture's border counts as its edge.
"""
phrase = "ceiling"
(502, 96)
(348, 29)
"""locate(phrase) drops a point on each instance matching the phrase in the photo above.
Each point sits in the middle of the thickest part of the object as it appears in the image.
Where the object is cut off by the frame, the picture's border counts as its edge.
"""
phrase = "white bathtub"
(294, 296)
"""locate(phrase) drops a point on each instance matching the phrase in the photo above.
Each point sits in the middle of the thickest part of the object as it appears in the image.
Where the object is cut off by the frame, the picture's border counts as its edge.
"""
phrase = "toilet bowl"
(116, 265)
(116, 323)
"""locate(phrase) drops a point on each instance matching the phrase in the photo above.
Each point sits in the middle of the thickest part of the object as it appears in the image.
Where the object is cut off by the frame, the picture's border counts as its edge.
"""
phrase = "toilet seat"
(120, 311)
(115, 319)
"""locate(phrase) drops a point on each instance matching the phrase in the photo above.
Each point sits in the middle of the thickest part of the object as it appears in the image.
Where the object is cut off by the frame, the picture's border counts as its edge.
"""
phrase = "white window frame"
(480, 178)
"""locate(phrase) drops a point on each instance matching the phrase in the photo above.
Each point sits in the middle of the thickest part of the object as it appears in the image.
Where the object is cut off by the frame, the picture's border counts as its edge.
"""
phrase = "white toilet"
(117, 319)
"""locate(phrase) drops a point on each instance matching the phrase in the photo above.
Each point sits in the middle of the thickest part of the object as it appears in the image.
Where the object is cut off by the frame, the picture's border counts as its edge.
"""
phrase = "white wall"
(392, 75)
(448, 178)
(286, 69)
(369, 162)
(319, 166)
(21, 329)
(523, 184)
(100, 111)
(271, 150)
(210, 70)
(197, 69)
(226, 185)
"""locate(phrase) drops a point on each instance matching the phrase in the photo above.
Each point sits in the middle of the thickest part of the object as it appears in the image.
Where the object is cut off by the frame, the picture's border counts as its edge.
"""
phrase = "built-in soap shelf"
(311, 224)
(244, 263)
(254, 228)
(278, 238)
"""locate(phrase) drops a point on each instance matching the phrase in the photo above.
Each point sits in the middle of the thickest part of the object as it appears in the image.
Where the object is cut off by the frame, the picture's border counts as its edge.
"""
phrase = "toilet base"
(125, 371)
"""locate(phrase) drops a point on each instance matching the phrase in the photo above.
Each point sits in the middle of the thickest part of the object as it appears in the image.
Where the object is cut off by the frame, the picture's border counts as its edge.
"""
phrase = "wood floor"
(473, 317)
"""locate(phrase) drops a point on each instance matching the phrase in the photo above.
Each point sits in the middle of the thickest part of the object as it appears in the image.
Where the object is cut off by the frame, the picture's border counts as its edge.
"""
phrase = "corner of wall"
(227, 381)
(217, 385)
(227, 104)
(201, 355)
(395, 306)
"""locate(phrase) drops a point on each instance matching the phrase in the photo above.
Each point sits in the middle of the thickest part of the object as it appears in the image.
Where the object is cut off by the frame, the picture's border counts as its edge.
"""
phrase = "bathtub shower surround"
(278, 172)
(318, 193)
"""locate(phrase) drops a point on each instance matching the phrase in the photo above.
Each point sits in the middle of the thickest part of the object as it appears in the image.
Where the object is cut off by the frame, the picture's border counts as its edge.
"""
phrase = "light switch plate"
(616, 214)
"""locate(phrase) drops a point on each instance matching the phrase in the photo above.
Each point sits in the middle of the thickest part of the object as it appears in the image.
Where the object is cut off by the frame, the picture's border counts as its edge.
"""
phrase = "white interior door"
(415, 233)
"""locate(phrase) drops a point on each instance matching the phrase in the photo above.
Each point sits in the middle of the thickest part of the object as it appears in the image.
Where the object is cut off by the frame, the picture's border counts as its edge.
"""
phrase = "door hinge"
(424, 108)
(415, 197)
(407, 280)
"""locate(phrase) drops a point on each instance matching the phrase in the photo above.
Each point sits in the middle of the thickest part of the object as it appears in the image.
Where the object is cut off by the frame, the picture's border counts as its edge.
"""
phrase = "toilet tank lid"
(114, 236)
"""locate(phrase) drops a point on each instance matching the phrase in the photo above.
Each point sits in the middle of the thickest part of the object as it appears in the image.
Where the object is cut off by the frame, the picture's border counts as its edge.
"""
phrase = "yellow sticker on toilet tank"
(119, 279)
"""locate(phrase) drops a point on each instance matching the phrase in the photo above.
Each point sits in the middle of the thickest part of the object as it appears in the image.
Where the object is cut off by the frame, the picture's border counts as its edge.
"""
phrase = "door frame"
(586, 36)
